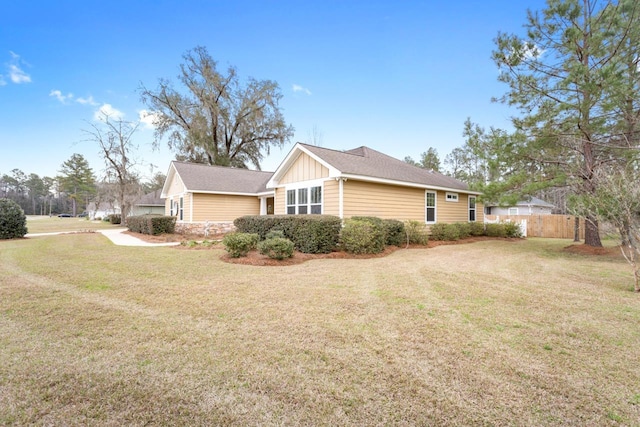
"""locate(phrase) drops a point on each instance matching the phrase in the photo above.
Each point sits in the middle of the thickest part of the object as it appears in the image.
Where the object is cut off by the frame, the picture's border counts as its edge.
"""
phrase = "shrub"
(394, 232)
(152, 224)
(361, 237)
(416, 232)
(309, 233)
(464, 229)
(276, 248)
(115, 219)
(495, 230)
(448, 232)
(239, 244)
(512, 229)
(477, 228)
(13, 222)
(272, 234)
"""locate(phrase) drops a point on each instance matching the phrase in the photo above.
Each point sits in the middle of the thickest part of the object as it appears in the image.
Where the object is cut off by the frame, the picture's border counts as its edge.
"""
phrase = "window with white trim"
(181, 208)
(430, 207)
(513, 211)
(472, 208)
(306, 200)
(451, 197)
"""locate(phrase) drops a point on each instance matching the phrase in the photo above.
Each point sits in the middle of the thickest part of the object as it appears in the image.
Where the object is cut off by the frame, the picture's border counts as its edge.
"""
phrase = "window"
(451, 197)
(291, 202)
(513, 211)
(472, 209)
(430, 207)
(304, 200)
(181, 208)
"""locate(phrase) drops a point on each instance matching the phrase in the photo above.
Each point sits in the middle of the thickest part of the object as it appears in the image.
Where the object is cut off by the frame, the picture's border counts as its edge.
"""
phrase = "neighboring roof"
(201, 178)
(364, 162)
(530, 201)
(150, 199)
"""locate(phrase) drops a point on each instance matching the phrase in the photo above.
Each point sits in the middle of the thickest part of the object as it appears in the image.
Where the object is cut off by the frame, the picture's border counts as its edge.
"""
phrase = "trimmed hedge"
(239, 244)
(442, 231)
(13, 222)
(416, 232)
(393, 229)
(152, 224)
(115, 219)
(313, 234)
(362, 237)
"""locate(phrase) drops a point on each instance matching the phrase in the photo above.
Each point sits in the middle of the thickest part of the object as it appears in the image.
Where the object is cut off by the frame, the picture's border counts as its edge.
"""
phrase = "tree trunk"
(576, 230)
(591, 232)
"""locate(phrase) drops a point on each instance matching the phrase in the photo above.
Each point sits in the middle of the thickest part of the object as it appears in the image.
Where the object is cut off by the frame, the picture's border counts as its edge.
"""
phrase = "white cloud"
(107, 110)
(298, 88)
(15, 73)
(60, 97)
(147, 119)
(87, 101)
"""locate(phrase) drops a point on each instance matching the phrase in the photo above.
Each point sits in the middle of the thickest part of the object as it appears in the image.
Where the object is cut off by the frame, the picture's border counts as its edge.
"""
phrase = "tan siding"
(304, 169)
(219, 207)
(331, 198)
(384, 201)
(280, 207)
(450, 212)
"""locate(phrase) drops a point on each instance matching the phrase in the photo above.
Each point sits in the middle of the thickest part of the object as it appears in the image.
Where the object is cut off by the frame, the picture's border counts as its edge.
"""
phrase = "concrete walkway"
(116, 235)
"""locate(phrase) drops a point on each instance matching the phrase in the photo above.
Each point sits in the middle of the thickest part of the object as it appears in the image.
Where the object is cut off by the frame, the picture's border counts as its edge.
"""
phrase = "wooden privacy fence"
(553, 226)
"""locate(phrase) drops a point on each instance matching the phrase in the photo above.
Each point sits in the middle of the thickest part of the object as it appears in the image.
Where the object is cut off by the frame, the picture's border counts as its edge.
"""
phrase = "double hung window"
(307, 200)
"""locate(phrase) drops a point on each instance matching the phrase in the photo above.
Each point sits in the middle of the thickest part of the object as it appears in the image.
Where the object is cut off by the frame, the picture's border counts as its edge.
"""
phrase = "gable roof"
(150, 199)
(369, 164)
(201, 178)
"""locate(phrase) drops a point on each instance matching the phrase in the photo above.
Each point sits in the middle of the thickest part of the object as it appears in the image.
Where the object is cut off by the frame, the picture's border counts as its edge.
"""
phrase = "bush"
(393, 229)
(362, 237)
(13, 222)
(495, 230)
(447, 232)
(152, 224)
(115, 219)
(477, 228)
(394, 232)
(512, 229)
(239, 244)
(276, 248)
(464, 229)
(312, 234)
(416, 232)
(273, 234)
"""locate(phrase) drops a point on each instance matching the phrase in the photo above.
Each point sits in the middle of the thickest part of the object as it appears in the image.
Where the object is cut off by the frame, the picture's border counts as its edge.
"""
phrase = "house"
(151, 203)
(529, 206)
(102, 209)
(315, 180)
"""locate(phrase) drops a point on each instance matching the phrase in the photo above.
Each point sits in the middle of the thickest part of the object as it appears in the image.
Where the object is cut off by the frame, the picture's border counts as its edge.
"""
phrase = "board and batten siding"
(222, 207)
(383, 200)
(305, 168)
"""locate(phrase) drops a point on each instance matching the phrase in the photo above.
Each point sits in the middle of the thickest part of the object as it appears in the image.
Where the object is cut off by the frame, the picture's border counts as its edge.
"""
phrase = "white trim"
(475, 209)
(509, 211)
(308, 185)
(291, 158)
(435, 207)
(341, 197)
(455, 197)
(408, 184)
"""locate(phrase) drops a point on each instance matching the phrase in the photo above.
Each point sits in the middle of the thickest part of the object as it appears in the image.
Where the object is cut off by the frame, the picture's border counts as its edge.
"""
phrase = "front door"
(270, 205)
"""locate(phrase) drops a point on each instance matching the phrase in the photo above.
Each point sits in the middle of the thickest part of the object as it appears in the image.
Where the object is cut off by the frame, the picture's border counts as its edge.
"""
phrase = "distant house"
(529, 206)
(102, 210)
(151, 203)
(315, 180)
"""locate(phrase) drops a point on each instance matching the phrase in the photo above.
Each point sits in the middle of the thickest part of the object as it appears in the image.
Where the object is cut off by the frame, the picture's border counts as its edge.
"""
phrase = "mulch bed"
(255, 258)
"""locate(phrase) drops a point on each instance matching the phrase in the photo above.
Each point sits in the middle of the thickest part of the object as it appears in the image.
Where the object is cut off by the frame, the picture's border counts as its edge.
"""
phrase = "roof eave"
(407, 184)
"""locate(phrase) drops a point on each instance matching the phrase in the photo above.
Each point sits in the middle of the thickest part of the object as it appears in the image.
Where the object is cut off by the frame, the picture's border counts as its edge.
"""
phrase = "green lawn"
(46, 224)
(489, 333)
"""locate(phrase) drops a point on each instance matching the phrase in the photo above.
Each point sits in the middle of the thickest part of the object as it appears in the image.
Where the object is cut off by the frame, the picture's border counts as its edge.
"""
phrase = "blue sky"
(397, 76)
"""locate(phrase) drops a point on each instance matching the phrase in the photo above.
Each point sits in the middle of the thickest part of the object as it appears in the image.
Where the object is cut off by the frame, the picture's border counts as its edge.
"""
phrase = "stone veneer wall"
(205, 228)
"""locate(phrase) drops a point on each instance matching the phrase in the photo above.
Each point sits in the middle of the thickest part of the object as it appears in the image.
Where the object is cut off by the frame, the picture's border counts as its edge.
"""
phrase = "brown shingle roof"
(368, 162)
(199, 177)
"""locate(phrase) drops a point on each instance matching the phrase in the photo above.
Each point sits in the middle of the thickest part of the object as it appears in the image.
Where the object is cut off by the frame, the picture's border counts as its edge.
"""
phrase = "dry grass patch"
(487, 333)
